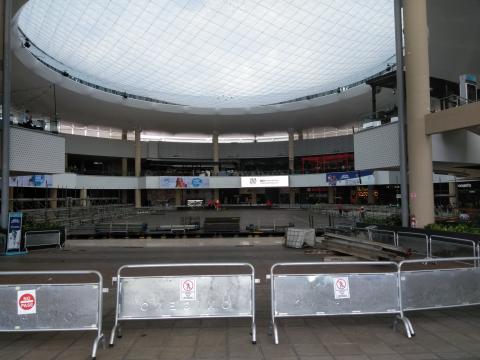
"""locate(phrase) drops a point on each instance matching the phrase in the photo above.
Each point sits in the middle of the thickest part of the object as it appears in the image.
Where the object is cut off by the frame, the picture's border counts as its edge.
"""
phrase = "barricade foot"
(408, 326)
(254, 334)
(95, 345)
(115, 329)
(275, 333)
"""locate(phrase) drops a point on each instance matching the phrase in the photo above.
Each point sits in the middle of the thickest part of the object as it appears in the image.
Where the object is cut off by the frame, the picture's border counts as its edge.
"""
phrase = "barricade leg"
(273, 331)
(99, 338)
(407, 324)
(254, 332)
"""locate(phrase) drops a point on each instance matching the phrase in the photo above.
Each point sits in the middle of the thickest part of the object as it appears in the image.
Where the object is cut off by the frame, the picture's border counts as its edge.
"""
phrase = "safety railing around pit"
(383, 236)
(186, 296)
(42, 238)
(309, 293)
(448, 247)
(29, 306)
(424, 286)
(416, 243)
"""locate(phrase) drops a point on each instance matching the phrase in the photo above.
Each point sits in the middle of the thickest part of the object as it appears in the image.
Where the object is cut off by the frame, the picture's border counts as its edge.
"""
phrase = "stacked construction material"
(221, 225)
(296, 238)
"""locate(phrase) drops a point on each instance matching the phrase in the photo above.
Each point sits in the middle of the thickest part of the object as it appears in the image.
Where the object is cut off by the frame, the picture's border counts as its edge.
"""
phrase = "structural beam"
(462, 117)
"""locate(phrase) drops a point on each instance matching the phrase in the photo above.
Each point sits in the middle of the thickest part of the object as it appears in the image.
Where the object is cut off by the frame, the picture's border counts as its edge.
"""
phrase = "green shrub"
(454, 227)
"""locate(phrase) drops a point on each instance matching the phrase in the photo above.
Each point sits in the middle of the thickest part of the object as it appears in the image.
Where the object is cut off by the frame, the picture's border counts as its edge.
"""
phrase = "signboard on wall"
(38, 181)
(364, 177)
(264, 181)
(184, 182)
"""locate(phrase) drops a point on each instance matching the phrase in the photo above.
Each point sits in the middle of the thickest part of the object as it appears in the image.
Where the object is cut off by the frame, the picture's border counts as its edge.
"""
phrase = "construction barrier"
(422, 289)
(42, 238)
(382, 236)
(184, 296)
(417, 243)
(447, 246)
(327, 293)
(44, 307)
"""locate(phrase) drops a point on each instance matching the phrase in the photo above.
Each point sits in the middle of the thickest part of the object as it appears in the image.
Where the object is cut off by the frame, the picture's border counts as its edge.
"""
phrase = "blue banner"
(184, 182)
(14, 231)
(362, 177)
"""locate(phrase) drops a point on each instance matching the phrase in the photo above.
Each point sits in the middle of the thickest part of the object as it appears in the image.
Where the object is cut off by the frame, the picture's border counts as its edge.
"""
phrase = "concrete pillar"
(83, 197)
(300, 135)
(292, 196)
(331, 195)
(66, 162)
(53, 198)
(216, 154)
(178, 197)
(11, 198)
(452, 193)
(418, 105)
(124, 169)
(216, 194)
(138, 167)
(370, 197)
(291, 151)
(254, 197)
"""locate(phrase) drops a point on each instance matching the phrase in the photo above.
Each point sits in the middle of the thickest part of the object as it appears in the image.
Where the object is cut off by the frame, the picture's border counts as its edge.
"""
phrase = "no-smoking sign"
(341, 288)
(26, 302)
(188, 289)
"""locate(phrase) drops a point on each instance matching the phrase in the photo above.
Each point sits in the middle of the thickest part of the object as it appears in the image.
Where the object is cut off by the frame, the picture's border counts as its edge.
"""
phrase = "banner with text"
(39, 181)
(184, 182)
(364, 177)
(264, 181)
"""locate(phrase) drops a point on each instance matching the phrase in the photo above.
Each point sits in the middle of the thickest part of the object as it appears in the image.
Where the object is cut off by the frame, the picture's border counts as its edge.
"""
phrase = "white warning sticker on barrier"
(26, 302)
(188, 289)
(341, 288)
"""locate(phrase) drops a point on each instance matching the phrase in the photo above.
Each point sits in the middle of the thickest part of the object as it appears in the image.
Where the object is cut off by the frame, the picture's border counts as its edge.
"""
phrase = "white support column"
(452, 193)
(291, 151)
(417, 77)
(53, 198)
(138, 166)
(178, 197)
(124, 169)
(83, 197)
(216, 153)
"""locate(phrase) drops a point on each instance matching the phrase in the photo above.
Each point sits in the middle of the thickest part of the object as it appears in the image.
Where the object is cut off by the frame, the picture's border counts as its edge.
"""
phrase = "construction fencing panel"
(382, 236)
(52, 306)
(374, 291)
(439, 288)
(185, 296)
(446, 246)
(42, 238)
(417, 243)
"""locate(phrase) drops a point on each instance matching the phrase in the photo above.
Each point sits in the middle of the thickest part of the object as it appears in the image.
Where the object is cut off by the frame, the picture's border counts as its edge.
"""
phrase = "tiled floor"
(451, 334)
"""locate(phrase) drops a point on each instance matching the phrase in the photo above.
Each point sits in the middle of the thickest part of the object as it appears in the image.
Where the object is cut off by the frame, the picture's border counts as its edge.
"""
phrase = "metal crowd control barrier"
(325, 294)
(32, 307)
(437, 288)
(447, 246)
(392, 241)
(184, 296)
(409, 240)
(42, 238)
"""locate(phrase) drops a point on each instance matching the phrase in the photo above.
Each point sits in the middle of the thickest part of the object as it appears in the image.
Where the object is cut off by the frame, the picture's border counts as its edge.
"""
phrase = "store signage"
(364, 177)
(184, 182)
(39, 181)
(465, 186)
(264, 181)
(14, 231)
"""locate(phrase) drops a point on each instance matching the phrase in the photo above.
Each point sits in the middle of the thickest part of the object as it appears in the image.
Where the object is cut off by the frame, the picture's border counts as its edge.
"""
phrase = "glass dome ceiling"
(213, 53)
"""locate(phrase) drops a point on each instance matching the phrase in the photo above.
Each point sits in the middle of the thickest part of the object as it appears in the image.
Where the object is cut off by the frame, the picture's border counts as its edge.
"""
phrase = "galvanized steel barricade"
(417, 243)
(324, 294)
(32, 307)
(42, 238)
(447, 246)
(383, 236)
(422, 289)
(185, 296)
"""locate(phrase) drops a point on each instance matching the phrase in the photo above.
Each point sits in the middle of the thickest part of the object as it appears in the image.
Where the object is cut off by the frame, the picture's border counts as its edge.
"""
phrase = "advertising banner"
(184, 182)
(364, 177)
(14, 231)
(264, 181)
(39, 181)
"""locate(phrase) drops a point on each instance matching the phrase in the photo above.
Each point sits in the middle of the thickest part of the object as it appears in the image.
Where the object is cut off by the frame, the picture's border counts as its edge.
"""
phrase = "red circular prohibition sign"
(26, 301)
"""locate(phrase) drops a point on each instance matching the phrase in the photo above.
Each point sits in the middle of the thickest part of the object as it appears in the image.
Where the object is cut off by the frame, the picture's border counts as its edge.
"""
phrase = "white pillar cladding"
(417, 75)
(215, 153)
(138, 166)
